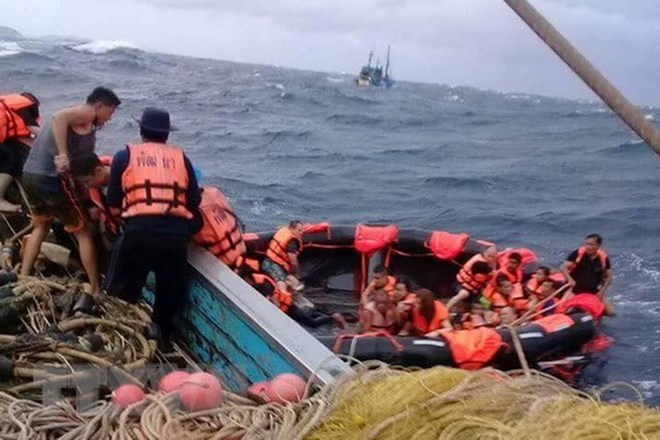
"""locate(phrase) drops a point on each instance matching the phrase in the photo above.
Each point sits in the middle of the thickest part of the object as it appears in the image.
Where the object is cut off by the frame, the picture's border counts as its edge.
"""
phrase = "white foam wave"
(650, 117)
(334, 80)
(104, 46)
(9, 48)
(642, 266)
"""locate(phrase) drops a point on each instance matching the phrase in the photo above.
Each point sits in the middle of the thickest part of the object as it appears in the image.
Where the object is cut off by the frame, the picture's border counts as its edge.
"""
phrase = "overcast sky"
(459, 42)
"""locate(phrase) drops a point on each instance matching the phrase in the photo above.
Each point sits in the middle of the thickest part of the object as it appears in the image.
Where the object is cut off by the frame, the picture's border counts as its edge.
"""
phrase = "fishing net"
(375, 401)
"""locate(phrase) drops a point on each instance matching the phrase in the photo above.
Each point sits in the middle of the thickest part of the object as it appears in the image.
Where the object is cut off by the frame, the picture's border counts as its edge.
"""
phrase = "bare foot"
(339, 320)
(5, 206)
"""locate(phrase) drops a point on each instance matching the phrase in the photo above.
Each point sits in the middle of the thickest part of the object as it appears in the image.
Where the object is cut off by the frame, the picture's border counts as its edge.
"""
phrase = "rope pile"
(377, 402)
(43, 336)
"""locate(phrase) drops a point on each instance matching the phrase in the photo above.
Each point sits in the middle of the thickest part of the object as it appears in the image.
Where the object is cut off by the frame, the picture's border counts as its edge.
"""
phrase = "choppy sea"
(517, 169)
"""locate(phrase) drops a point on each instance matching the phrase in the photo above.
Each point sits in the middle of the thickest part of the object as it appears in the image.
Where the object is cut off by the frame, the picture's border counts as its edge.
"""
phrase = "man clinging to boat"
(281, 262)
(587, 269)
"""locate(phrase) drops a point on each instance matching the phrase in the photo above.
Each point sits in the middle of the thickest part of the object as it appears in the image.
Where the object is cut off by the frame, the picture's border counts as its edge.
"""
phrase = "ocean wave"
(334, 80)
(354, 119)
(279, 135)
(104, 46)
(632, 146)
(10, 48)
(458, 182)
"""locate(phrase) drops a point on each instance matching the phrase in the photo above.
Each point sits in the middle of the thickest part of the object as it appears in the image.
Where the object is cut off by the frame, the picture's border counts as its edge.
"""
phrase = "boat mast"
(371, 54)
(588, 73)
(387, 63)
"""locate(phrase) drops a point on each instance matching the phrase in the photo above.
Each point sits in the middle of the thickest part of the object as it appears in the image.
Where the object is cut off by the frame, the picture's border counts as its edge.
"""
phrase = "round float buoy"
(127, 395)
(172, 381)
(200, 391)
(259, 392)
(286, 388)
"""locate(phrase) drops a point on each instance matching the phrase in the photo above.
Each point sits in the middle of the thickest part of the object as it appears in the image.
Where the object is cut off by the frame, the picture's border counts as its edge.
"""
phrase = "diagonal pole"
(587, 72)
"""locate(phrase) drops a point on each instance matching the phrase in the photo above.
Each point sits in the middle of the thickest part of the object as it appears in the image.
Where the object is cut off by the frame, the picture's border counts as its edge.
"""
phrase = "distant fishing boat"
(373, 75)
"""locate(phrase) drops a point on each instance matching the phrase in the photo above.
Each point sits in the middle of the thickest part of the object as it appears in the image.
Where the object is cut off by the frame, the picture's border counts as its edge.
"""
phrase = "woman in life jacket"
(428, 314)
(379, 314)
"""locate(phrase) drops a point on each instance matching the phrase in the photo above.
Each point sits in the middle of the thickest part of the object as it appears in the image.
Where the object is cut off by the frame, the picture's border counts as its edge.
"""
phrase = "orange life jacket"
(221, 232)
(98, 199)
(517, 299)
(284, 299)
(515, 277)
(473, 349)
(586, 302)
(600, 254)
(389, 287)
(11, 124)
(533, 285)
(421, 326)
(276, 251)
(493, 300)
(470, 282)
(155, 181)
(554, 323)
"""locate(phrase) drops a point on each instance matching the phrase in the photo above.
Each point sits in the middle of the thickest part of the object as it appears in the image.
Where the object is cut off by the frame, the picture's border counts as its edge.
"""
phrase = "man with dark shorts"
(19, 125)
(47, 178)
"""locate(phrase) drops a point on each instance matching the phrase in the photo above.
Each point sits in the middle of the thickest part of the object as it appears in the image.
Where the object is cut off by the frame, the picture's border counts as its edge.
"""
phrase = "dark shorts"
(52, 198)
(12, 157)
(273, 270)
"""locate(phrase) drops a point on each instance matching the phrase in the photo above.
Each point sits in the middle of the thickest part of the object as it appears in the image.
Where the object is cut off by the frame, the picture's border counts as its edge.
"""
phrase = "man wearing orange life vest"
(154, 185)
(221, 232)
(587, 269)
(474, 276)
(19, 125)
(381, 280)
(281, 262)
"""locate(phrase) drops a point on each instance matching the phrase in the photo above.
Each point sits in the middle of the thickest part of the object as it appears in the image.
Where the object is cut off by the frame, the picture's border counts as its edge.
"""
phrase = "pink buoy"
(259, 392)
(127, 395)
(172, 381)
(286, 387)
(200, 391)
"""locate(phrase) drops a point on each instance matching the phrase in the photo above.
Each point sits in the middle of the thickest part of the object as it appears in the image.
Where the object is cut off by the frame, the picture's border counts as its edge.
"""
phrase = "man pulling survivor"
(48, 183)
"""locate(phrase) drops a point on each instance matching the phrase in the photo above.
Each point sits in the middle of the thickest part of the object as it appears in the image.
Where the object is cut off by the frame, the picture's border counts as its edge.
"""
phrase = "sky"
(479, 43)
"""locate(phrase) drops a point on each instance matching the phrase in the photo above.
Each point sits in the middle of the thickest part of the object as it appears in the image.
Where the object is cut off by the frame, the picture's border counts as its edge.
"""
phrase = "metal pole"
(588, 73)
